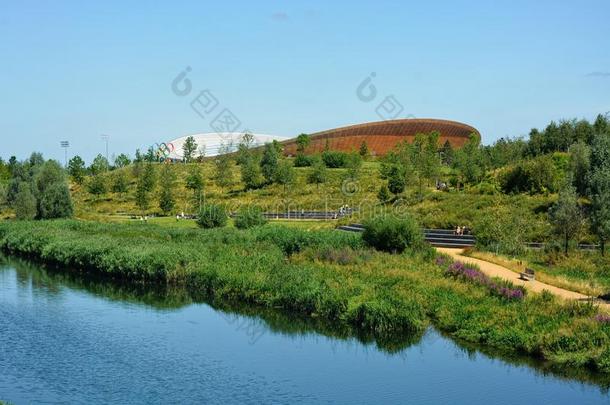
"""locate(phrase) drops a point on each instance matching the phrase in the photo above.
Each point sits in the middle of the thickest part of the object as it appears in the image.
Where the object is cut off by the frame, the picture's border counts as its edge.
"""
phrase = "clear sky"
(73, 70)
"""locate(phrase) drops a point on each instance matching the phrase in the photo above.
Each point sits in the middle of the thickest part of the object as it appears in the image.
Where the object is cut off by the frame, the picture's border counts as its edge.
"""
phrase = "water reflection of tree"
(164, 297)
(170, 297)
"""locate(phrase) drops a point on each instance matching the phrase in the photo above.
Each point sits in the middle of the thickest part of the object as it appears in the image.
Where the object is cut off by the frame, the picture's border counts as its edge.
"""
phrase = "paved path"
(494, 270)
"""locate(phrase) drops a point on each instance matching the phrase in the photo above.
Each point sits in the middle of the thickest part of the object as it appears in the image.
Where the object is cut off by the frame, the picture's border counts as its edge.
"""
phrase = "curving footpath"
(494, 270)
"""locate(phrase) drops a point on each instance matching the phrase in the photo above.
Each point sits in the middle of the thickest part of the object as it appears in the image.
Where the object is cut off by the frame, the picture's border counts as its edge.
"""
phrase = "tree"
(188, 149)
(432, 166)
(303, 141)
(565, 215)
(97, 185)
(419, 160)
(50, 172)
(250, 174)
(223, 175)
(201, 153)
(364, 150)
(5, 173)
(55, 202)
(447, 153)
(468, 161)
(285, 173)
(99, 165)
(152, 155)
(122, 161)
(384, 194)
(317, 174)
(52, 192)
(35, 159)
(601, 124)
(397, 181)
(76, 169)
(19, 173)
(327, 145)
(600, 206)
(120, 184)
(167, 202)
(139, 158)
(12, 163)
(353, 164)
(580, 163)
(3, 194)
(269, 162)
(142, 198)
(25, 205)
(600, 152)
(243, 148)
(149, 177)
(195, 183)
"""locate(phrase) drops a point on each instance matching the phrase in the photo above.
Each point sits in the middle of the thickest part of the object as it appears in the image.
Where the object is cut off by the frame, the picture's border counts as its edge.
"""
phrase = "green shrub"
(302, 160)
(55, 202)
(391, 234)
(212, 216)
(249, 216)
(539, 175)
(334, 159)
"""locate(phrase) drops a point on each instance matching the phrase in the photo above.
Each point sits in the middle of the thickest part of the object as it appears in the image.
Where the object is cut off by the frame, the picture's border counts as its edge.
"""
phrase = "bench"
(527, 275)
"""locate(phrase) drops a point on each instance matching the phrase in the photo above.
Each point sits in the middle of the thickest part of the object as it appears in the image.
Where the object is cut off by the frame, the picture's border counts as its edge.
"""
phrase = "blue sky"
(75, 70)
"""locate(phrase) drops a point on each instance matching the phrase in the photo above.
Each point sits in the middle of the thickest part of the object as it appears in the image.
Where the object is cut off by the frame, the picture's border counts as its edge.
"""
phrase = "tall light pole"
(105, 138)
(65, 145)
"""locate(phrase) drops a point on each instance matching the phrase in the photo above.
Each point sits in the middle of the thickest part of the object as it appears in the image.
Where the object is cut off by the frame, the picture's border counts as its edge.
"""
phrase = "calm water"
(66, 340)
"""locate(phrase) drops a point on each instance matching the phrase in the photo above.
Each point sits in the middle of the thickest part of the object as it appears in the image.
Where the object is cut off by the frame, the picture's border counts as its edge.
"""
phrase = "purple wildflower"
(602, 318)
(467, 272)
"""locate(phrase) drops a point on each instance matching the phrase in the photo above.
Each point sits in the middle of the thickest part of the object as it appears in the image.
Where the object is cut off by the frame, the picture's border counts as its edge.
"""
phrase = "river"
(65, 338)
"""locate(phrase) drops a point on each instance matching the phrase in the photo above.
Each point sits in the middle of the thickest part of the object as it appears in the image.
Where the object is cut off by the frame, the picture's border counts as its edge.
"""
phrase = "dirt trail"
(494, 270)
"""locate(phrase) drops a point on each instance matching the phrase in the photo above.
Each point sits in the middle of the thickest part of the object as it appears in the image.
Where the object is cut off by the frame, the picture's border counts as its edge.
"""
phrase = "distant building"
(210, 143)
(380, 137)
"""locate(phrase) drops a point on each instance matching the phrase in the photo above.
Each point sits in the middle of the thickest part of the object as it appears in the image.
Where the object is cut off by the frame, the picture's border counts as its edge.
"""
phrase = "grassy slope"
(588, 274)
(436, 209)
(323, 274)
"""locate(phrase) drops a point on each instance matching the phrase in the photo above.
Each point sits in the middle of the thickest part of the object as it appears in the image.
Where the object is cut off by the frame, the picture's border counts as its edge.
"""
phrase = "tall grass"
(322, 274)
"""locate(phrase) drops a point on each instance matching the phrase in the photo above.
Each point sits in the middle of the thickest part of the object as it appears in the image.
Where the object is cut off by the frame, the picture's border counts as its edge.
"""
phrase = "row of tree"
(35, 188)
(419, 163)
(555, 137)
(569, 215)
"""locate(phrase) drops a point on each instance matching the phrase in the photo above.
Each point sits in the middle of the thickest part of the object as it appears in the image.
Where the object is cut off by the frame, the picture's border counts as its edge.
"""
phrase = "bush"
(25, 202)
(302, 161)
(56, 202)
(212, 216)
(539, 175)
(250, 216)
(333, 159)
(391, 234)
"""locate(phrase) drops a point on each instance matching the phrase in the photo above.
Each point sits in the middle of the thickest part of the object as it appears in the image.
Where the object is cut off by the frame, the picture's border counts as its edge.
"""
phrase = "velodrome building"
(380, 137)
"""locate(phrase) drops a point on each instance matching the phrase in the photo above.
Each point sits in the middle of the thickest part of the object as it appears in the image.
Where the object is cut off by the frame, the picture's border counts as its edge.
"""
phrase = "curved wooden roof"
(382, 136)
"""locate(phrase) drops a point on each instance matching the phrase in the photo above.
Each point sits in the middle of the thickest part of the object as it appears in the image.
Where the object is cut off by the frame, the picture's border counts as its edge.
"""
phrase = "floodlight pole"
(106, 138)
(65, 145)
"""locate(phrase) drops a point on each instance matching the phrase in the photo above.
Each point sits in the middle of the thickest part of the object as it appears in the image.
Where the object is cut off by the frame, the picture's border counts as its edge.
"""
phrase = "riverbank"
(325, 274)
(492, 269)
